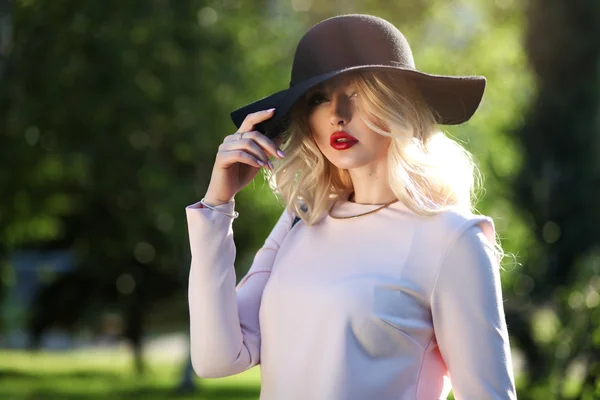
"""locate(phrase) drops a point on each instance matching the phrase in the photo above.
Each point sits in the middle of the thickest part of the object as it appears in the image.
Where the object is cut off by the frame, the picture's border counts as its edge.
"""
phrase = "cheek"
(380, 140)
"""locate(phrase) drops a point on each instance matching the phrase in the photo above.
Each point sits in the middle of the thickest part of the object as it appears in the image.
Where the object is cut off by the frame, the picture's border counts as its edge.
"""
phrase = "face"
(335, 120)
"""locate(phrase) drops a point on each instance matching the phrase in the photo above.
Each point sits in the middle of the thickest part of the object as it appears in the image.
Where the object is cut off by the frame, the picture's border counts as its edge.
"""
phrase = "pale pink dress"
(390, 305)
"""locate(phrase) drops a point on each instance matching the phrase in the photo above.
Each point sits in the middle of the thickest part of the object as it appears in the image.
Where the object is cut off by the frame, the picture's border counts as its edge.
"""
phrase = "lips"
(341, 140)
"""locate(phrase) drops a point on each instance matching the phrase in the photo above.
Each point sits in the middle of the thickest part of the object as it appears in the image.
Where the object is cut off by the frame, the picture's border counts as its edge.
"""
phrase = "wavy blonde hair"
(428, 171)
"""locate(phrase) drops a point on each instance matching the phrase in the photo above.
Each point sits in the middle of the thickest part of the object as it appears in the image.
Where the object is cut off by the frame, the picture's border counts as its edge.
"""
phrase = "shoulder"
(283, 224)
(445, 227)
(459, 239)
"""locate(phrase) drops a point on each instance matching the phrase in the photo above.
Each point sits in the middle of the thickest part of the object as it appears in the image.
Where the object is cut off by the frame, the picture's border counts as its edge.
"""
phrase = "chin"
(347, 163)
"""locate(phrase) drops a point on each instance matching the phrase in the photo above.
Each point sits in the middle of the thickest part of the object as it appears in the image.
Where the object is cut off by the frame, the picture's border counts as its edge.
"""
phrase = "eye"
(354, 94)
(317, 98)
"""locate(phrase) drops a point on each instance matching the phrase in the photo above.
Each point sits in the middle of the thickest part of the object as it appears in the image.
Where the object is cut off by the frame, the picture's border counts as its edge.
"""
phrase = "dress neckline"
(344, 208)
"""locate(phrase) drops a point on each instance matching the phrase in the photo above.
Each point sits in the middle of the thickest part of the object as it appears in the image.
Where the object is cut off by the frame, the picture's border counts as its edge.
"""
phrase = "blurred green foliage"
(557, 189)
(123, 106)
(112, 113)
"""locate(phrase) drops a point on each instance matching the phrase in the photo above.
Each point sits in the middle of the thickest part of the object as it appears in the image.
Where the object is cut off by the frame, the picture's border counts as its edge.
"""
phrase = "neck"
(371, 186)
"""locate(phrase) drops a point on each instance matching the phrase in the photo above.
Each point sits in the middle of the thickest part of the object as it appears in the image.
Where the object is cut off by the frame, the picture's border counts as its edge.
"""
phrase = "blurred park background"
(111, 113)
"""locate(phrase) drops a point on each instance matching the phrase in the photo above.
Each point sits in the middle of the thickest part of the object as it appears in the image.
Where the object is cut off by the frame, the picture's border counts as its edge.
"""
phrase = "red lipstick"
(341, 140)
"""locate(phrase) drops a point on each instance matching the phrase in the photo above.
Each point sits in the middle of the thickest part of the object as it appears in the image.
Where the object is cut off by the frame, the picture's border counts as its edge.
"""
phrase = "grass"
(93, 375)
(82, 375)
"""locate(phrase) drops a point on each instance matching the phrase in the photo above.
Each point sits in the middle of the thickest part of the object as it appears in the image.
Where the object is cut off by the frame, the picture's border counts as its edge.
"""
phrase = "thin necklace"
(360, 215)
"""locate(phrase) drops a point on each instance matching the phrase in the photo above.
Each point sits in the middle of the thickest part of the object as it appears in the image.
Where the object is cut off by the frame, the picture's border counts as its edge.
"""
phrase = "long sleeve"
(468, 317)
(224, 324)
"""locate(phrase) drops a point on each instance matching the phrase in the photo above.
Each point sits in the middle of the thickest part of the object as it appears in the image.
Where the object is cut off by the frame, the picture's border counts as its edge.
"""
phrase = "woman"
(387, 286)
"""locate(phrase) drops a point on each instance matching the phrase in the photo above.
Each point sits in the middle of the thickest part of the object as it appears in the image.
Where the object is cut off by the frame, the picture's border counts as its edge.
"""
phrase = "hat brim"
(453, 99)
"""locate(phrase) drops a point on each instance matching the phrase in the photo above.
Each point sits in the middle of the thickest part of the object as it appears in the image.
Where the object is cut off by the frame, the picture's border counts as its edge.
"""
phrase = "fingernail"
(262, 164)
(270, 110)
(280, 153)
(271, 165)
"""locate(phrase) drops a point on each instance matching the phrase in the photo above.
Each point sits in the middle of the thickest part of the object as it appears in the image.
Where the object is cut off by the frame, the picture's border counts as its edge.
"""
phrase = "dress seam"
(421, 367)
(452, 239)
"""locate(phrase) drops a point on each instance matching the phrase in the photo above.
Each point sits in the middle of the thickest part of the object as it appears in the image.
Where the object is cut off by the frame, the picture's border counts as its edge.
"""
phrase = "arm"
(224, 325)
(468, 318)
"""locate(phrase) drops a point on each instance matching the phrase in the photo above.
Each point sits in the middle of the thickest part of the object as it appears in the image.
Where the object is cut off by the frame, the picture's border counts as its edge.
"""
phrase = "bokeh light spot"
(576, 300)
(551, 232)
(165, 222)
(32, 134)
(207, 16)
(144, 252)
(125, 284)
(592, 299)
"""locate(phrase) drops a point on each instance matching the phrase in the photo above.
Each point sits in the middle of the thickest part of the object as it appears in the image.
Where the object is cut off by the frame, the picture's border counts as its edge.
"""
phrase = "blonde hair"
(428, 171)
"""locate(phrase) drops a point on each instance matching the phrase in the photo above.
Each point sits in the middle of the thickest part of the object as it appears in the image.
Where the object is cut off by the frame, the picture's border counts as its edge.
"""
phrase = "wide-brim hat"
(363, 42)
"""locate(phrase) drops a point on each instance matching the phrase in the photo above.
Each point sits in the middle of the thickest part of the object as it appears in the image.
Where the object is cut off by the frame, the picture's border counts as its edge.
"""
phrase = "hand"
(239, 159)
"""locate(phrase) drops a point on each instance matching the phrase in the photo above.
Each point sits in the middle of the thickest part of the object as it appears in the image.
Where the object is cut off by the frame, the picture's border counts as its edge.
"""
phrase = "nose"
(341, 110)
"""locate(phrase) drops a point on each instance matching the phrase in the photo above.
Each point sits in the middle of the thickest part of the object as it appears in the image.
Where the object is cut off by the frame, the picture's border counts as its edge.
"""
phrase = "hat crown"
(362, 42)
(349, 41)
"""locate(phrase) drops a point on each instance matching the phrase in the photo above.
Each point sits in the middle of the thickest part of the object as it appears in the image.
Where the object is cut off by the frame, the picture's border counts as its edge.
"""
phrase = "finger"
(248, 145)
(231, 157)
(255, 118)
(232, 137)
(268, 145)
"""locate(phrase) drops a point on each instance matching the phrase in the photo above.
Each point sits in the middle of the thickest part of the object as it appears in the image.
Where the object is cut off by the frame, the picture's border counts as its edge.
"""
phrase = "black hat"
(359, 42)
